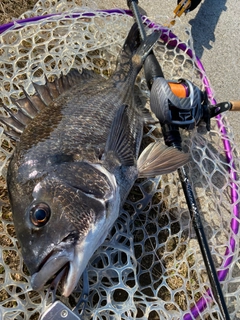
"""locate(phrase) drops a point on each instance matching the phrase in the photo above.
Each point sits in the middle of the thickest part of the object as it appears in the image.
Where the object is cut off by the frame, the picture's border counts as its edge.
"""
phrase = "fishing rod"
(185, 111)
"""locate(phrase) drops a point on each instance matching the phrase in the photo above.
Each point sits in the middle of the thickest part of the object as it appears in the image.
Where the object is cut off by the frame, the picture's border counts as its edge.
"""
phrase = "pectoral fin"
(158, 159)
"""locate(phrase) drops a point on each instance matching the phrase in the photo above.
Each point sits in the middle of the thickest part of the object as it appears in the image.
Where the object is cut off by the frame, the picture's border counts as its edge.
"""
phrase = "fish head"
(64, 218)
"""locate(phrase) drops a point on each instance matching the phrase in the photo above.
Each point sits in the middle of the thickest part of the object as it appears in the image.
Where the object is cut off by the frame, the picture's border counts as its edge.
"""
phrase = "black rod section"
(172, 138)
(133, 5)
(203, 244)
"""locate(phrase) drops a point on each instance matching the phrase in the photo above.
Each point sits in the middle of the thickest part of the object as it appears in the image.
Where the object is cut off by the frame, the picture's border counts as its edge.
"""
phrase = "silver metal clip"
(58, 311)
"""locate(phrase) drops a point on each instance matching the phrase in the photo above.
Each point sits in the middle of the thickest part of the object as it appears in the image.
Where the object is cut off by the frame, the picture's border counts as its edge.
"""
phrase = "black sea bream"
(76, 161)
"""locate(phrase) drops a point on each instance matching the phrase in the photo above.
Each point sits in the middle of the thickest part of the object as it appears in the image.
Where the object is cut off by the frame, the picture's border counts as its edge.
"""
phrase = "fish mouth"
(67, 261)
(55, 261)
(64, 260)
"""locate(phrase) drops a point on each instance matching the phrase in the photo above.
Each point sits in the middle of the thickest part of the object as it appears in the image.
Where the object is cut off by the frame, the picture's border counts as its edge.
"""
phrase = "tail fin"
(134, 52)
(145, 48)
(134, 45)
(132, 41)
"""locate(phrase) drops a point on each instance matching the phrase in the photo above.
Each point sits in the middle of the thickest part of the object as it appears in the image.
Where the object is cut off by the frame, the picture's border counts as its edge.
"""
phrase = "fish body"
(76, 161)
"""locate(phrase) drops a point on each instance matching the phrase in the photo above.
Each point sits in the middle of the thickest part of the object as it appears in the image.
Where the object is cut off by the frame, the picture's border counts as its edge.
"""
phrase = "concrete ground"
(215, 30)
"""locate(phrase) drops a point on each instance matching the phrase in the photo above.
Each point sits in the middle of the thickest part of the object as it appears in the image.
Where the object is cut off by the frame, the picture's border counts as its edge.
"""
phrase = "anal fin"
(157, 159)
(140, 102)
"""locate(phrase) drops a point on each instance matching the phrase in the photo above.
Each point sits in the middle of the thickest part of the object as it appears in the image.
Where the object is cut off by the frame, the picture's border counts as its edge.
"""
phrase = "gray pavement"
(215, 29)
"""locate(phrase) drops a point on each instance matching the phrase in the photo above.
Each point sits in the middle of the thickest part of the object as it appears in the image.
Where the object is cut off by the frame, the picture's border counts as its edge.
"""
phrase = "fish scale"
(67, 130)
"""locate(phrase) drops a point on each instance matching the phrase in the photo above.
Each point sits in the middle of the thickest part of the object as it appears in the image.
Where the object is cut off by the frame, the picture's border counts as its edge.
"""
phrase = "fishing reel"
(180, 103)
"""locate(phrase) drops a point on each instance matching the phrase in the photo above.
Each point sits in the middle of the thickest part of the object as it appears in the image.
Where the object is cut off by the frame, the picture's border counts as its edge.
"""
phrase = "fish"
(77, 156)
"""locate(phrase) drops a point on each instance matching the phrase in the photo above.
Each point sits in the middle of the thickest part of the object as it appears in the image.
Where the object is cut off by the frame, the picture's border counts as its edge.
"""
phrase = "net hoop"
(167, 36)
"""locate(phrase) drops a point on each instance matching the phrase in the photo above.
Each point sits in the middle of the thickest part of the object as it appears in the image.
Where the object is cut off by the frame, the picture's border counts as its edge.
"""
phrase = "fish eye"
(40, 214)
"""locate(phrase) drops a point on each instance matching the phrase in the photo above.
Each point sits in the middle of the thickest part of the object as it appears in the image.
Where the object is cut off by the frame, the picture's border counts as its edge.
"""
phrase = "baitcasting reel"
(180, 103)
(183, 104)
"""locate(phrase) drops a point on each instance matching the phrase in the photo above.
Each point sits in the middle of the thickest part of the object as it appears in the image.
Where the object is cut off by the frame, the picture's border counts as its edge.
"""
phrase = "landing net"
(150, 266)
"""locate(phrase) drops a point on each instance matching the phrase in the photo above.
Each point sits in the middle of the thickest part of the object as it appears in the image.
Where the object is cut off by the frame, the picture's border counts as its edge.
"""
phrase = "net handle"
(168, 37)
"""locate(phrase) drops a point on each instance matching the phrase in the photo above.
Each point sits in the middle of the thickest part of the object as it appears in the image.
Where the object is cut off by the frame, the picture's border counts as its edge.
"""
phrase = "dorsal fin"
(12, 134)
(29, 106)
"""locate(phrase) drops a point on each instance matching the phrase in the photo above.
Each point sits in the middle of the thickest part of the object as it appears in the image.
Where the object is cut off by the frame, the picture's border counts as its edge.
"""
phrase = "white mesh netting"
(150, 266)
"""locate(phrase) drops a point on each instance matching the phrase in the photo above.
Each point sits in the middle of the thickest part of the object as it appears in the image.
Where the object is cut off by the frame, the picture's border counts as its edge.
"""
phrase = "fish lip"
(55, 261)
(53, 265)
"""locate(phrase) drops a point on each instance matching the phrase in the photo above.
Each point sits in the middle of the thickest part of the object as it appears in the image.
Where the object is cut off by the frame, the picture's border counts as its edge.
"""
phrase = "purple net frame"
(168, 37)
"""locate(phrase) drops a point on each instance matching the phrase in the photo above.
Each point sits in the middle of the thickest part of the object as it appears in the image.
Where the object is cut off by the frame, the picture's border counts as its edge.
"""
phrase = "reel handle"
(190, 5)
(235, 105)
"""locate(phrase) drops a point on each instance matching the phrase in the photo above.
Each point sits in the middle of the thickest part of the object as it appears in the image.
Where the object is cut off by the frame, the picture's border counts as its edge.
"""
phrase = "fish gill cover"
(150, 265)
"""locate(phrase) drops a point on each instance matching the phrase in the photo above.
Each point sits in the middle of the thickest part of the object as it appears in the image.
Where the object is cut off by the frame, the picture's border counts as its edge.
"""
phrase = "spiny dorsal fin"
(158, 159)
(12, 134)
(29, 106)
(118, 140)
(43, 93)
(26, 105)
(21, 115)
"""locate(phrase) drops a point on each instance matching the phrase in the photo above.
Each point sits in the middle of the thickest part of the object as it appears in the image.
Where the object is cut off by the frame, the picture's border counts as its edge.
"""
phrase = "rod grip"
(235, 105)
